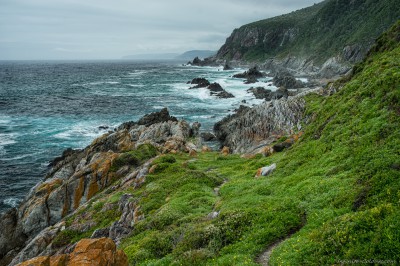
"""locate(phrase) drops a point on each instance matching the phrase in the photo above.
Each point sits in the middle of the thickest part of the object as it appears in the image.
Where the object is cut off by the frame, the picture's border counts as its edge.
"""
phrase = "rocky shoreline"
(122, 158)
(79, 175)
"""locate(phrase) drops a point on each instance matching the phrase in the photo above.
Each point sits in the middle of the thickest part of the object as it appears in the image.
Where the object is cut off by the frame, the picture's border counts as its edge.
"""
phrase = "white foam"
(5, 120)
(137, 73)
(303, 79)
(12, 202)
(6, 139)
(102, 82)
(87, 130)
(135, 85)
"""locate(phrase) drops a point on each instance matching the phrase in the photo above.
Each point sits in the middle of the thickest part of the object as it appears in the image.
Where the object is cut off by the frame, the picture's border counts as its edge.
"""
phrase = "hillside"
(331, 28)
(333, 197)
(188, 55)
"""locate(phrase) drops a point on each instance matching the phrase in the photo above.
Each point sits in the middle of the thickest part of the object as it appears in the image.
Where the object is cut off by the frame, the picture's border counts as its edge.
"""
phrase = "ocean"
(48, 106)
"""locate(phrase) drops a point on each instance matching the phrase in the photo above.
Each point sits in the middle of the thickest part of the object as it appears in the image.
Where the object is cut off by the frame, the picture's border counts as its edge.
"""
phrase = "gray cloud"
(103, 29)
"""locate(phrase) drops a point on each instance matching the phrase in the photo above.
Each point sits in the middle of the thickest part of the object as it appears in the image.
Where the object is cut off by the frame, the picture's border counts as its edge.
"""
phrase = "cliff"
(324, 39)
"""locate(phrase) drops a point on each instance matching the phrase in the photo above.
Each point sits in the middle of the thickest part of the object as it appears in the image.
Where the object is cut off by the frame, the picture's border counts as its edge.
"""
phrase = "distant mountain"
(165, 56)
(340, 30)
(189, 55)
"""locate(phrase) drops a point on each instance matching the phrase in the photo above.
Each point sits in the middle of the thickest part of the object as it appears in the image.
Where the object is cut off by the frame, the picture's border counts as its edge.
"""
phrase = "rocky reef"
(214, 88)
(77, 176)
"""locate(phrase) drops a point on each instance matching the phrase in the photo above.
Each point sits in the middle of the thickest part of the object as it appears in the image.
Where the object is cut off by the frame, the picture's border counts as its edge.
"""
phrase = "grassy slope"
(342, 176)
(340, 184)
(324, 29)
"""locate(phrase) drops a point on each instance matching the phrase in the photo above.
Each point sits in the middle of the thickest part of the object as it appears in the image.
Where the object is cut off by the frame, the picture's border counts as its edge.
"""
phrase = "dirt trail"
(264, 257)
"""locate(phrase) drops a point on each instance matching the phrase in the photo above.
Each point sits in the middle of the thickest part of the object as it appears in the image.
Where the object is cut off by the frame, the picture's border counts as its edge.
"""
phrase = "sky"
(111, 29)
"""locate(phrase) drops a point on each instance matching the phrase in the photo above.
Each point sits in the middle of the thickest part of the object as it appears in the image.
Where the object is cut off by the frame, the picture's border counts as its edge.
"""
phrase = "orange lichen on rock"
(59, 260)
(87, 252)
(93, 188)
(225, 151)
(101, 251)
(193, 153)
(79, 192)
(205, 149)
(38, 261)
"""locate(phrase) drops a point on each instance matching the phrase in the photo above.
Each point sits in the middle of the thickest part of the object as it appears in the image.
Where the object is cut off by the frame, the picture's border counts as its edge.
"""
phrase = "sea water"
(48, 106)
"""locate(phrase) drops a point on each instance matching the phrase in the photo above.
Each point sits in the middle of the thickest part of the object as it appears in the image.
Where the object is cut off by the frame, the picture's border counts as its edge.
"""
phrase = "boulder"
(224, 95)
(200, 83)
(101, 251)
(283, 145)
(286, 80)
(225, 151)
(261, 93)
(215, 87)
(195, 129)
(264, 171)
(252, 73)
(38, 261)
(280, 93)
(156, 117)
(207, 136)
(217, 90)
(205, 149)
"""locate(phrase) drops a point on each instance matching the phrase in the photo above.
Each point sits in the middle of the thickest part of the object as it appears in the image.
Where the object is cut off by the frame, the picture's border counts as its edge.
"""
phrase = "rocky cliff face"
(250, 129)
(324, 39)
(78, 176)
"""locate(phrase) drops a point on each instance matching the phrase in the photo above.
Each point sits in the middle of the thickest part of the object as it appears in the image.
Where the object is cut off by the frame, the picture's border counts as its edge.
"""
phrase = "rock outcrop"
(88, 252)
(286, 80)
(200, 83)
(214, 88)
(250, 75)
(209, 61)
(77, 176)
(268, 95)
(252, 128)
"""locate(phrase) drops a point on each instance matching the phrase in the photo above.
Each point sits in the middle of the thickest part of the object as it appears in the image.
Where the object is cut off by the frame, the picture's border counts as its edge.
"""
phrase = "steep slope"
(334, 195)
(333, 28)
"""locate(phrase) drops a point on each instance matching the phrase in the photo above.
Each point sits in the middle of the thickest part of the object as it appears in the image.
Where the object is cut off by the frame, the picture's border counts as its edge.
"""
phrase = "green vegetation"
(337, 189)
(318, 32)
(339, 184)
(134, 158)
(93, 217)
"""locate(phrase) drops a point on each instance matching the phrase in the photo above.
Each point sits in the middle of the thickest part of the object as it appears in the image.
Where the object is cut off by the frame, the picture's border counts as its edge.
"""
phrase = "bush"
(134, 158)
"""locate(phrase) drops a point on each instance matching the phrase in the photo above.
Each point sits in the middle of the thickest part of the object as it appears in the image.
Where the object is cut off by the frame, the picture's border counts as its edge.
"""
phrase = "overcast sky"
(110, 29)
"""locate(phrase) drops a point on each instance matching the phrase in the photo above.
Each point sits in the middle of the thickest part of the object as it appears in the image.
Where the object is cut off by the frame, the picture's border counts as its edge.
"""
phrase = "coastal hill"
(335, 32)
(325, 192)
